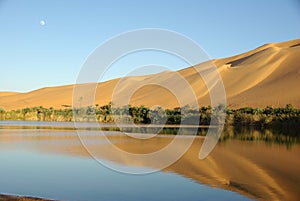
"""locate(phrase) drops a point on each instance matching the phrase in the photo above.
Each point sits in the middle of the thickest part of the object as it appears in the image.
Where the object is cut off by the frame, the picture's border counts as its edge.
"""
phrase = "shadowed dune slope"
(267, 75)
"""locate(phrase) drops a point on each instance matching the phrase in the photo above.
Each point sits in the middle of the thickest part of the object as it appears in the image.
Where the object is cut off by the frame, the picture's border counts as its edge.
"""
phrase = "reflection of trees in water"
(289, 138)
(270, 136)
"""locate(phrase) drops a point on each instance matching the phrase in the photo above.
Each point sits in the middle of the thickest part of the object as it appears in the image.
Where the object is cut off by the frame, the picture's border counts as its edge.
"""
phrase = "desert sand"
(267, 75)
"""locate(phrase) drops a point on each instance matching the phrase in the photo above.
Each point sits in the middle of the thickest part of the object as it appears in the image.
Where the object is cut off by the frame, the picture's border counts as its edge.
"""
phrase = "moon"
(42, 23)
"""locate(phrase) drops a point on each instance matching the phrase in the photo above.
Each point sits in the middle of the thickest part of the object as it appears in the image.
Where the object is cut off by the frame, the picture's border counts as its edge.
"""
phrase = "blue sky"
(35, 56)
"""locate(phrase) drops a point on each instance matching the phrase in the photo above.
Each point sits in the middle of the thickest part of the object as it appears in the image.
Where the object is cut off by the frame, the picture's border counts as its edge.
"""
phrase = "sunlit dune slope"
(267, 75)
(2, 94)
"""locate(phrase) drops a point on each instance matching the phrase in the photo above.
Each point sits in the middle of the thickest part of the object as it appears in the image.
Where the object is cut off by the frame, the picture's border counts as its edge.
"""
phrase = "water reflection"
(254, 169)
(56, 166)
(289, 137)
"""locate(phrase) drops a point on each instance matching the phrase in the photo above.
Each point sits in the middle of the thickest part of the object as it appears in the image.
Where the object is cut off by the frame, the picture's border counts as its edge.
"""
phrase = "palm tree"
(2, 113)
(24, 112)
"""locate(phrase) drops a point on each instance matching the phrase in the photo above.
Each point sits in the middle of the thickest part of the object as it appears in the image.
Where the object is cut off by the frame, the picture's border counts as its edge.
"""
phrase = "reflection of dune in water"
(253, 169)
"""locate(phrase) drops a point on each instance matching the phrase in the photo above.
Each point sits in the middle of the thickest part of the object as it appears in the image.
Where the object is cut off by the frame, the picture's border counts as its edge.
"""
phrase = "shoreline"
(6, 197)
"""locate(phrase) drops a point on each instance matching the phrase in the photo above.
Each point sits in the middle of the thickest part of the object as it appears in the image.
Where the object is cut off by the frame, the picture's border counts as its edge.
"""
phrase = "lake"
(48, 160)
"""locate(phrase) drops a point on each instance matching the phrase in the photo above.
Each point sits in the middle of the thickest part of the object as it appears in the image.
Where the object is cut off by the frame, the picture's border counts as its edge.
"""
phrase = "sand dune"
(267, 75)
(2, 94)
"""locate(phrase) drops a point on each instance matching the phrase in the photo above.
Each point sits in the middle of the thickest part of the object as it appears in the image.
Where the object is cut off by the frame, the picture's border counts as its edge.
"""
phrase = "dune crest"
(267, 75)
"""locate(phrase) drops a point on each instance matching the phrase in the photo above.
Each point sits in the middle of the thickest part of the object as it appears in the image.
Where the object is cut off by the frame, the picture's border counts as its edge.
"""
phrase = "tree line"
(280, 117)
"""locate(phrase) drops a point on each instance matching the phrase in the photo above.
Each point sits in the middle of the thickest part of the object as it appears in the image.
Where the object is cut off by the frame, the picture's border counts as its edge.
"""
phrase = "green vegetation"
(278, 119)
(37, 114)
(272, 125)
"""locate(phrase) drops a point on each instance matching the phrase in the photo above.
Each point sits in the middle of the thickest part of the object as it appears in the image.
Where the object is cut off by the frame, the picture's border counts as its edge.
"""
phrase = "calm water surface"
(53, 164)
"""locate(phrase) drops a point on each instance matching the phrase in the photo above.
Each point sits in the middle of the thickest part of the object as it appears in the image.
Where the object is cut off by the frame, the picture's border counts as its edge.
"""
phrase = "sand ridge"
(267, 75)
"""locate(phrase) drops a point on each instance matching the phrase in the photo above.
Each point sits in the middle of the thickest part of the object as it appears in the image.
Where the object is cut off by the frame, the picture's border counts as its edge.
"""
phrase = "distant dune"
(2, 94)
(267, 75)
